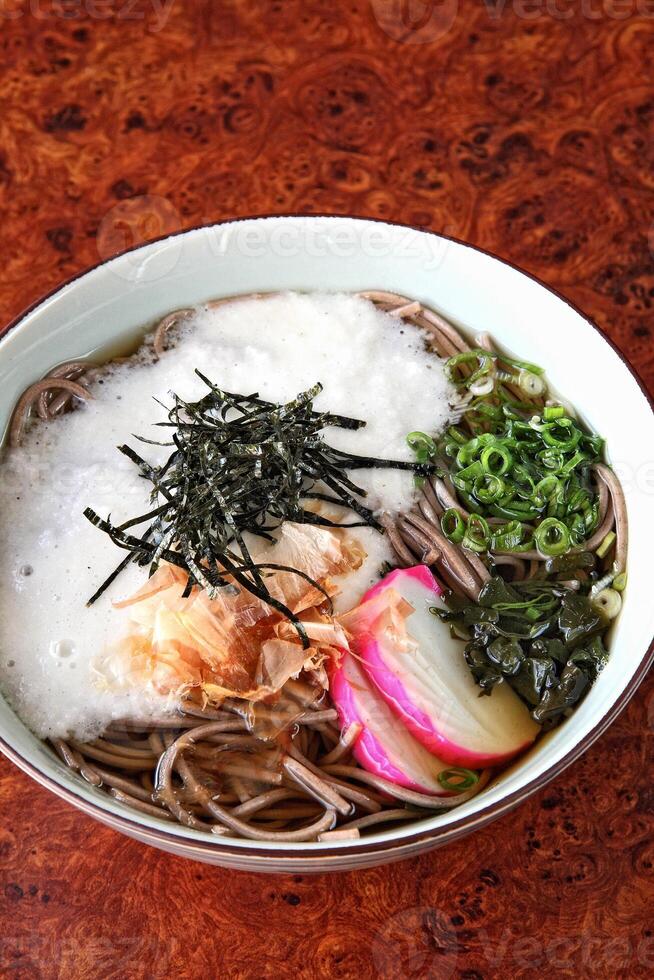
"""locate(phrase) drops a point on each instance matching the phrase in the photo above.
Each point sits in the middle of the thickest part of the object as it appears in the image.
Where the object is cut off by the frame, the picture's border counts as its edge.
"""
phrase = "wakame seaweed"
(542, 638)
(238, 464)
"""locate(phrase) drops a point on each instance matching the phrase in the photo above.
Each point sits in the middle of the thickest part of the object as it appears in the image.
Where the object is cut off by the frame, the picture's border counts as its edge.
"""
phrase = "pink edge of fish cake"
(426, 728)
(350, 689)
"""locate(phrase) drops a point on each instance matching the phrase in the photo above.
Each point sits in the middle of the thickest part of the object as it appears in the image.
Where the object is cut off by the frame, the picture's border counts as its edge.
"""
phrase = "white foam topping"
(52, 558)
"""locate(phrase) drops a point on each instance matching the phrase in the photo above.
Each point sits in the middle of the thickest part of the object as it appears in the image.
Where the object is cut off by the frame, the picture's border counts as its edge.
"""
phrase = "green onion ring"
(608, 602)
(488, 488)
(553, 412)
(512, 510)
(456, 780)
(483, 358)
(456, 434)
(453, 526)
(547, 488)
(471, 472)
(531, 383)
(509, 537)
(467, 452)
(552, 537)
(551, 434)
(490, 454)
(423, 446)
(551, 459)
(477, 534)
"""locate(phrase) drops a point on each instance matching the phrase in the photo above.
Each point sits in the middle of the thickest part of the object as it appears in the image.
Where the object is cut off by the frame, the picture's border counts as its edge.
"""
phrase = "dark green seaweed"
(542, 638)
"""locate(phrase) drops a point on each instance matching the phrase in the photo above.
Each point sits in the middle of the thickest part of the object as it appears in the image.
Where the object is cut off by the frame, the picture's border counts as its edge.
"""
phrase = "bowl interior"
(108, 307)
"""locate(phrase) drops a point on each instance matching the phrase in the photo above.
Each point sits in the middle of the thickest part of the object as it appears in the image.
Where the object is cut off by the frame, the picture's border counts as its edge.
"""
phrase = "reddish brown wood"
(520, 130)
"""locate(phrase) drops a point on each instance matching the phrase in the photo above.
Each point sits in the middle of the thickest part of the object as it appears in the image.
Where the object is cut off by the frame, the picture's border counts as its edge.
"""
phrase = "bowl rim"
(457, 828)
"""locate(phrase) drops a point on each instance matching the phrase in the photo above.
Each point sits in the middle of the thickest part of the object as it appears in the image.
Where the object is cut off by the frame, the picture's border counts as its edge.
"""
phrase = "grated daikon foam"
(52, 559)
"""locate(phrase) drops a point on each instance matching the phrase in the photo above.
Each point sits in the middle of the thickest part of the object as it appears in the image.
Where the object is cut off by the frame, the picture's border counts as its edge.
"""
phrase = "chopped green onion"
(577, 528)
(467, 499)
(453, 526)
(467, 452)
(551, 460)
(531, 383)
(526, 465)
(546, 489)
(552, 537)
(524, 482)
(477, 534)
(553, 412)
(488, 488)
(470, 472)
(620, 582)
(561, 434)
(573, 463)
(486, 439)
(457, 780)
(510, 537)
(514, 510)
(483, 358)
(423, 446)
(609, 602)
(521, 365)
(496, 459)
(457, 435)
(606, 545)
(482, 386)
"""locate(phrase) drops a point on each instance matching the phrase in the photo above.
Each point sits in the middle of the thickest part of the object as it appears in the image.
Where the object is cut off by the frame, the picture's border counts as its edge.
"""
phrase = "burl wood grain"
(527, 132)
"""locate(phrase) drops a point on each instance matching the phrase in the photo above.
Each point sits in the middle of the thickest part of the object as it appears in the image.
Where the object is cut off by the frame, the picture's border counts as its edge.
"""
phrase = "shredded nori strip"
(238, 464)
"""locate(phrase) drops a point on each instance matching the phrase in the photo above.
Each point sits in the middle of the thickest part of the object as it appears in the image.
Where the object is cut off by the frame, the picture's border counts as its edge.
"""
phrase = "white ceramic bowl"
(110, 304)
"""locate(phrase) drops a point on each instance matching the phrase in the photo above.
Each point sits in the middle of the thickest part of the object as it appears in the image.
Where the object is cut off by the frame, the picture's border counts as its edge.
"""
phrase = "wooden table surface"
(525, 127)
